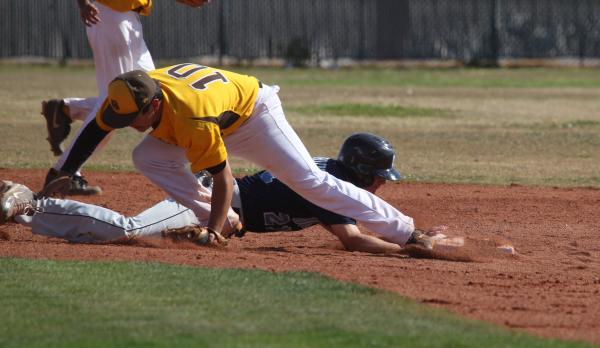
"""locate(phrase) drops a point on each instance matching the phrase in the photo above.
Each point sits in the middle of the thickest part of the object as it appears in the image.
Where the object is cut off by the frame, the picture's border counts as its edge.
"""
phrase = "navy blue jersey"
(269, 205)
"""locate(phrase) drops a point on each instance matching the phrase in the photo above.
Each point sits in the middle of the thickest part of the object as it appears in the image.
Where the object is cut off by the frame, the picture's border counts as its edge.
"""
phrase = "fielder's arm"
(221, 196)
(84, 146)
(353, 240)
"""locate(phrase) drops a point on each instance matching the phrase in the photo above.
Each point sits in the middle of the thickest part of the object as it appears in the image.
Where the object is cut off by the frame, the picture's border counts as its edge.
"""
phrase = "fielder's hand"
(88, 12)
(435, 230)
(193, 3)
(196, 234)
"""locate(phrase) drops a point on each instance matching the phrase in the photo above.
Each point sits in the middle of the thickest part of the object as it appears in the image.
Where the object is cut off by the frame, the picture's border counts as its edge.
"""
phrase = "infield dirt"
(550, 287)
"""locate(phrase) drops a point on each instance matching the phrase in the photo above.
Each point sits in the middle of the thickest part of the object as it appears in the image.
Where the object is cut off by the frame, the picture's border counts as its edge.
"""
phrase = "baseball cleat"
(79, 186)
(58, 124)
(15, 199)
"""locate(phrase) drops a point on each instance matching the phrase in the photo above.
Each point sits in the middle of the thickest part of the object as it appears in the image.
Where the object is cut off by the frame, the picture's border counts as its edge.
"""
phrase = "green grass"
(78, 304)
(453, 77)
(527, 126)
(370, 110)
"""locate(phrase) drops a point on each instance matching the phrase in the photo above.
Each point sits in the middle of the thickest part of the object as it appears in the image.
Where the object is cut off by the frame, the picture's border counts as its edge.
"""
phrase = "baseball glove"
(196, 234)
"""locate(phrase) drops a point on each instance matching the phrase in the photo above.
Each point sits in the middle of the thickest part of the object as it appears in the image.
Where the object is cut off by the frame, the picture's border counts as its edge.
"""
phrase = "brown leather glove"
(196, 234)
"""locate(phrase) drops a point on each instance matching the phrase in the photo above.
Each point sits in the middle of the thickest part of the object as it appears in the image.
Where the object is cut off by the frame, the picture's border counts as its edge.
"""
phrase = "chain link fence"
(475, 32)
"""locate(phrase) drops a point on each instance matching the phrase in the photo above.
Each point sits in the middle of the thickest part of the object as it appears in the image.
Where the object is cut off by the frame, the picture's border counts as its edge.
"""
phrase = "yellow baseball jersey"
(143, 7)
(201, 105)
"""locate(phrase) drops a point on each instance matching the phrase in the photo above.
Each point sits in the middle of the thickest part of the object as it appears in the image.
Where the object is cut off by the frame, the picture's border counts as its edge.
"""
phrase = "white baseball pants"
(269, 141)
(118, 46)
(87, 223)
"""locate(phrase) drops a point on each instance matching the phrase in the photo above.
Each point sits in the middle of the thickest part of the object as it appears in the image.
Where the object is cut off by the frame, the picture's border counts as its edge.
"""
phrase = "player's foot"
(58, 124)
(79, 186)
(420, 238)
(15, 199)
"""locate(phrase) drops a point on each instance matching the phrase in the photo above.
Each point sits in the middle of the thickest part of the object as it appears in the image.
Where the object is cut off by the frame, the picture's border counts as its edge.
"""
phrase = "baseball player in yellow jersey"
(116, 37)
(200, 116)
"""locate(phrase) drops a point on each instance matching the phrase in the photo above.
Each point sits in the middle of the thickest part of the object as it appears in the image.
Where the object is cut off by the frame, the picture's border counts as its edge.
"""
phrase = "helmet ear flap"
(366, 174)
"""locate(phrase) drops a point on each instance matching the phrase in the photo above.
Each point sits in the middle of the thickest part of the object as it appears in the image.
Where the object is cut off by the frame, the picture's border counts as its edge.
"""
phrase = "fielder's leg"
(268, 140)
(118, 46)
(79, 108)
(167, 167)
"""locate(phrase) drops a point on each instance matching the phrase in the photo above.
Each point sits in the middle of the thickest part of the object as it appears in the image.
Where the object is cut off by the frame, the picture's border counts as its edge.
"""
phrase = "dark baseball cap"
(128, 95)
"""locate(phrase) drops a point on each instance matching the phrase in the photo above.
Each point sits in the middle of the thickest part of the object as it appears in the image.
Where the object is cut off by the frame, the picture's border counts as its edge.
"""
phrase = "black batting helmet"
(366, 156)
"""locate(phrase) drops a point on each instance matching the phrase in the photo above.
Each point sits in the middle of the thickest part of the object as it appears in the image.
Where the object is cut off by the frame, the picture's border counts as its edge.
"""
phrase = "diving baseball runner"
(199, 116)
(260, 201)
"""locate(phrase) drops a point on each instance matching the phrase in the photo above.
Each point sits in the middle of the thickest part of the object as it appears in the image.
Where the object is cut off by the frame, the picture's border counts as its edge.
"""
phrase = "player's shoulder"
(322, 162)
(333, 167)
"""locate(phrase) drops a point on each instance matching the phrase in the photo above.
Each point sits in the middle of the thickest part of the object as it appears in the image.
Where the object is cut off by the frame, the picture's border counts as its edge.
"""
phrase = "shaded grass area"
(78, 304)
(368, 77)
